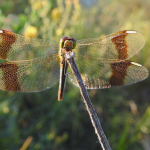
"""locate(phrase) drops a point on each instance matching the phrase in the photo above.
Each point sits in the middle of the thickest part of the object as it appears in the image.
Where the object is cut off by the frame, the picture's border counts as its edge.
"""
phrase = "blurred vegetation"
(37, 121)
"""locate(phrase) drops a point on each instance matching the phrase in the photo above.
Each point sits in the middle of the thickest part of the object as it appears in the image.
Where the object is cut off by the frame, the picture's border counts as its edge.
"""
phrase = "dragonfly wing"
(102, 73)
(121, 45)
(29, 75)
(15, 47)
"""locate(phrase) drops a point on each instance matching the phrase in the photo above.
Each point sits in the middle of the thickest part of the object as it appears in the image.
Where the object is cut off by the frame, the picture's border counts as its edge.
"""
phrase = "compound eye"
(74, 42)
(62, 40)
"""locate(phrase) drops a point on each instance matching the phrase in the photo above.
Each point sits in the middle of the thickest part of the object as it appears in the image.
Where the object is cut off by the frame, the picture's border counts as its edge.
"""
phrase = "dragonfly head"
(67, 43)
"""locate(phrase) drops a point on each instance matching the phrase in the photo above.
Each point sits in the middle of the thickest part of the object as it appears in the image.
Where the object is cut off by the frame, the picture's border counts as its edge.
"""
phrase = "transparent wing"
(30, 75)
(102, 73)
(15, 47)
(121, 45)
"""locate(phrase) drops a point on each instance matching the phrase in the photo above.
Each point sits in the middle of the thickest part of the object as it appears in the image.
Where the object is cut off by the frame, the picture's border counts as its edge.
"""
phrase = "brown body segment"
(10, 76)
(121, 45)
(6, 41)
(119, 72)
(62, 81)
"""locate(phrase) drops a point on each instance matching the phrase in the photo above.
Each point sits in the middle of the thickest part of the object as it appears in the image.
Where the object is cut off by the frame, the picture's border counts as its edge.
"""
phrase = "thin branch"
(92, 113)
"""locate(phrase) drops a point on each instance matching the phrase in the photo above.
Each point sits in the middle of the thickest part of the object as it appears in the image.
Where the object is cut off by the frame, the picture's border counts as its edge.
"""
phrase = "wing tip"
(134, 63)
(131, 31)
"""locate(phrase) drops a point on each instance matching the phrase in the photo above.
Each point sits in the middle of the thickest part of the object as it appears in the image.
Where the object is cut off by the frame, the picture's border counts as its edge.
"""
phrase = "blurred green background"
(37, 121)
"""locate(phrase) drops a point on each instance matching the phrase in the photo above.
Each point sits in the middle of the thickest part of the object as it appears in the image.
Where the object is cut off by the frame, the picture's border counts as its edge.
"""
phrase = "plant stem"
(92, 113)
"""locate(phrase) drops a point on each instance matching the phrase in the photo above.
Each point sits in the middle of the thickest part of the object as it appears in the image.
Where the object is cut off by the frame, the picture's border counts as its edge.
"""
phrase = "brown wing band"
(121, 45)
(7, 40)
(10, 77)
(119, 72)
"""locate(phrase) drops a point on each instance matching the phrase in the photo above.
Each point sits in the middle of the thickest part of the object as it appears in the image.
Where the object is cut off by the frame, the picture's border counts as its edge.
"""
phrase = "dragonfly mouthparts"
(68, 48)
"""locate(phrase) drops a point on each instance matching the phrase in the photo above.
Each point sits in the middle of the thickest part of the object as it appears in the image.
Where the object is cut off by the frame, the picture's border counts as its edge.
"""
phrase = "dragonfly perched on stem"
(35, 65)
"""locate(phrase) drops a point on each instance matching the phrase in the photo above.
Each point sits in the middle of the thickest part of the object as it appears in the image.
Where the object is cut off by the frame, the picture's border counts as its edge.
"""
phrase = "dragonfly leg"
(63, 60)
(68, 73)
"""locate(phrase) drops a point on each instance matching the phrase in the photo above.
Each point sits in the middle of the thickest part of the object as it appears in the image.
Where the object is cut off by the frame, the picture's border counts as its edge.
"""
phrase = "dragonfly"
(34, 65)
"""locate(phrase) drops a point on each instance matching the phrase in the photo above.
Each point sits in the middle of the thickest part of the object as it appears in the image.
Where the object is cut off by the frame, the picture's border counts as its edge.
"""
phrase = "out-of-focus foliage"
(38, 121)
